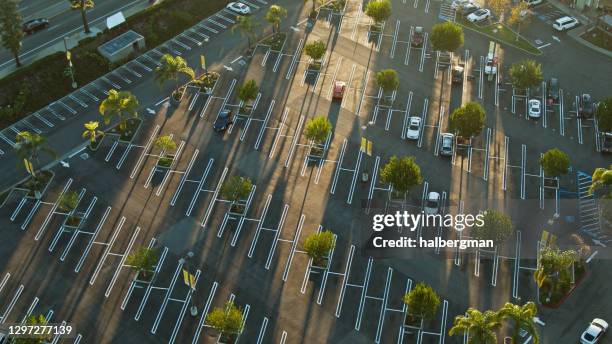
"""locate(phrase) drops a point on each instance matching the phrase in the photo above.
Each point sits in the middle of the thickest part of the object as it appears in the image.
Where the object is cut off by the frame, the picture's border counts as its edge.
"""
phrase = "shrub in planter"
(235, 190)
(38, 184)
(317, 129)
(73, 221)
(246, 93)
(422, 301)
(69, 201)
(143, 261)
(318, 246)
(165, 144)
(227, 320)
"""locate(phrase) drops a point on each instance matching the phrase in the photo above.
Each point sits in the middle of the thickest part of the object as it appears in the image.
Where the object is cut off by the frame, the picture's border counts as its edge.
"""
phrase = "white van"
(565, 23)
(532, 2)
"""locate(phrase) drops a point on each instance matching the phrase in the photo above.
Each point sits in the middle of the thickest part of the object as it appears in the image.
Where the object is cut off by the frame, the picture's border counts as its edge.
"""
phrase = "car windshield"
(589, 336)
(480, 12)
(414, 126)
(432, 204)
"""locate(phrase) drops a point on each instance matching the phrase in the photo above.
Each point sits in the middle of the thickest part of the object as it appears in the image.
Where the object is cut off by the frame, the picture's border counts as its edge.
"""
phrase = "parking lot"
(78, 274)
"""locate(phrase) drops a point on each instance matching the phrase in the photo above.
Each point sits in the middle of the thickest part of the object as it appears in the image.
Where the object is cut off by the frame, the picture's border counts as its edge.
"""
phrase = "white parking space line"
(89, 94)
(77, 100)
(561, 114)
(44, 120)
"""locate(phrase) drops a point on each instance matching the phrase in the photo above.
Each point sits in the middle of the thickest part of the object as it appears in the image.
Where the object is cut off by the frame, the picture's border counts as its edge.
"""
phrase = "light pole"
(185, 260)
(69, 58)
(367, 148)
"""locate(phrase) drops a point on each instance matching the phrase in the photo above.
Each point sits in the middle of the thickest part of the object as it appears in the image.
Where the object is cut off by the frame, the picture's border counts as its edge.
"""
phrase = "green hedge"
(34, 86)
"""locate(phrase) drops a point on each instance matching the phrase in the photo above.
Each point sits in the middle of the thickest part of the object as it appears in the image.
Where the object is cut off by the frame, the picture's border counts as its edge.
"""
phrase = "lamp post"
(69, 58)
(193, 310)
(367, 149)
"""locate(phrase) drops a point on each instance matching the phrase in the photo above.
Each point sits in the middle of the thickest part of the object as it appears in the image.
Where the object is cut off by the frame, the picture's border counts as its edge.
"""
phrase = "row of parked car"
(474, 13)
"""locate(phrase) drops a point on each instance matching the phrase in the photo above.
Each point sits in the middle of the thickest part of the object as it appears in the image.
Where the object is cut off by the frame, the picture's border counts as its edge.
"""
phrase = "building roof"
(118, 43)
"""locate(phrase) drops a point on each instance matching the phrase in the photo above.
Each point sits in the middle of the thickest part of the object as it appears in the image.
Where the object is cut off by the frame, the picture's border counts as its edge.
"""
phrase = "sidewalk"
(586, 22)
(74, 37)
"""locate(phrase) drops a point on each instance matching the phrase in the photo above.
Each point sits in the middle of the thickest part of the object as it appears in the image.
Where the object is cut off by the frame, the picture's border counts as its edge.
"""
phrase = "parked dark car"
(223, 121)
(457, 75)
(417, 37)
(606, 144)
(586, 107)
(553, 89)
(35, 25)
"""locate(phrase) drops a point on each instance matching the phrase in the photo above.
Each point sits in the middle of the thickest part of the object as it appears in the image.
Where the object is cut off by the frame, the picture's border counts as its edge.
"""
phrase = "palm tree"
(171, 68)
(91, 131)
(29, 146)
(83, 6)
(246, 26)
(275, 15)
(522, 316)
(480, 327)
(119, 104)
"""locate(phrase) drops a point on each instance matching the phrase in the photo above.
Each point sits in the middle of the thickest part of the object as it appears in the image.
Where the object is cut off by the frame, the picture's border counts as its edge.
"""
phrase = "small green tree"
(496, 226)
(555, 162)
(480, 327)
(522, 317)
(317, 129)
(518, 16)
(446, 36)
(468, 120)
(92, 132)
(526, 74)
(165, 144)
(498, 8)
(33, 320)
(315, 49)
(247, 27)
(319, 245)
(68, 201)
(602, 178)
(30, 146)
(82, 6)
(11, 31)
(402, 174)
(422, 301)
(387, 79)
(122, 105)
(379, 10)
(171, 68)
(604, 115)
(228, 320)
(142, 260)
(247, 92)
(275, 16)
(236, 188)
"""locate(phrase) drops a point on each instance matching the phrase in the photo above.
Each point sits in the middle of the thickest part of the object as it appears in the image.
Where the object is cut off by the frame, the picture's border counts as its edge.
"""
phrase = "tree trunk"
(84, 16)
(17, 61)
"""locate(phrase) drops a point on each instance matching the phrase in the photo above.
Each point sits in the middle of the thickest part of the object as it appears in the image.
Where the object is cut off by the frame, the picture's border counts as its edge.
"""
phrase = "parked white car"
(479, 15)
(532, 2)
(594, 332)
(239, 7)
(432, 204)
(565, 23)
(458, 4)
(414, 128)
(535, 108)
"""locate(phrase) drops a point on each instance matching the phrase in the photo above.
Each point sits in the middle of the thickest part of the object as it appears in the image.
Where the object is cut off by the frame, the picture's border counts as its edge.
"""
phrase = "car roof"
(433, 195)
(415, 119)
(565, 19)
(449, 135)
(534, 101)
